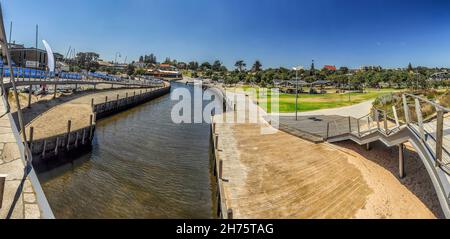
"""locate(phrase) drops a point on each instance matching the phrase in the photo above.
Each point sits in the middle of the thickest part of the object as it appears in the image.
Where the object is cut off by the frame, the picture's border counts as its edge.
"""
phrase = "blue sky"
(277, 32)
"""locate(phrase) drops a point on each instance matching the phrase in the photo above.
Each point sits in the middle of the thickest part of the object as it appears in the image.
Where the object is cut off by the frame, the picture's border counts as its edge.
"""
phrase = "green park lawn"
(308, 102)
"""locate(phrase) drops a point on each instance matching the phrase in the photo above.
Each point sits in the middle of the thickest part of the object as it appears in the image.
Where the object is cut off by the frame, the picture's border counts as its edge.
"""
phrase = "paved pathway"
(19, 199)
(355, 111)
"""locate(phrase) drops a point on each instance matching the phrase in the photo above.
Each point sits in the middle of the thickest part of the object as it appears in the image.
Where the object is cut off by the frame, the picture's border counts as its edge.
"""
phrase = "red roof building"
(331, 68)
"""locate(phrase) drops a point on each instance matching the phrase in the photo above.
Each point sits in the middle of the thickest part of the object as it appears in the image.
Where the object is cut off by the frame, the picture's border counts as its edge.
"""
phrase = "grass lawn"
(309, 102)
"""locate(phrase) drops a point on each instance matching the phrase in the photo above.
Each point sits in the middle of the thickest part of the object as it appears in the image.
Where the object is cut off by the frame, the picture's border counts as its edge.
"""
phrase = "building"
(140, 64)
(331, 68)
(165, 71)
(29, 57)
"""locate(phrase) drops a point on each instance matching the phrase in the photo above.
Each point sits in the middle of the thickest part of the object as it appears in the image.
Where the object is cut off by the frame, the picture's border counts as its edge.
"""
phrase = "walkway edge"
(44, 206)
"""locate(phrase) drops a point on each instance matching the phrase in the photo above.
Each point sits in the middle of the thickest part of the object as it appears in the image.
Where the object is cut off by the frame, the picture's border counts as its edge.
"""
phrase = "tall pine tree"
(313, 68)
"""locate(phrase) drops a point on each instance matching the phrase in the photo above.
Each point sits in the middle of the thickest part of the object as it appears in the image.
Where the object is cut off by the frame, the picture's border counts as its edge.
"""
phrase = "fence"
(38, 74)
(429, 121)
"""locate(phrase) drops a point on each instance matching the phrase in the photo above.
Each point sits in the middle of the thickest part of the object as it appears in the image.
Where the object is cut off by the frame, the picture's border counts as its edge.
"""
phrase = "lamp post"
(296, 69)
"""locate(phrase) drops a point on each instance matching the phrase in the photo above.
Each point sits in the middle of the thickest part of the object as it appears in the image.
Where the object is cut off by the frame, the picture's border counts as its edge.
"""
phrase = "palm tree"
(240, 65)
(257, 66)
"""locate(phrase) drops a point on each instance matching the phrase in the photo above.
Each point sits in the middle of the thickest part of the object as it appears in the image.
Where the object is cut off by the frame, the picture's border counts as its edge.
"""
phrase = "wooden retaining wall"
(53, 146)
(82, 138)
(223, 211)
(139, 97)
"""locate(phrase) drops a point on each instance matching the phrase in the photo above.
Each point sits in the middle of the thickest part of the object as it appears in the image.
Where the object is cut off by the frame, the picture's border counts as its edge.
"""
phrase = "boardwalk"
(282, 176)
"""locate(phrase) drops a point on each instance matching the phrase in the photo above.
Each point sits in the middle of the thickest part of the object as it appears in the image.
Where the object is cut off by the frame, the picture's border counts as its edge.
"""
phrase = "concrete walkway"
(19, 199)
(355, 111)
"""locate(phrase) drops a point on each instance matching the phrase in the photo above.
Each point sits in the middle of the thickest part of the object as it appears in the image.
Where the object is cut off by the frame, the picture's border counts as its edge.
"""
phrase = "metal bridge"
(423, 123)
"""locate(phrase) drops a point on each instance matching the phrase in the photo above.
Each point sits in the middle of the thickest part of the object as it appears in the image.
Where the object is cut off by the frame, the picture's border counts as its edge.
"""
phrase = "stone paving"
(19, 199)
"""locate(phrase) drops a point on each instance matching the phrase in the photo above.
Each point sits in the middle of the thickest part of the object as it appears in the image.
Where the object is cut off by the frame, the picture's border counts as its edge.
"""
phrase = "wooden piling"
(76, 139)
(2, 187)
(69, 125)
(44, 148)
(90, 127)
(57, 146)
(217, 142)
(221, 169)
(230, 213)
(83, 137)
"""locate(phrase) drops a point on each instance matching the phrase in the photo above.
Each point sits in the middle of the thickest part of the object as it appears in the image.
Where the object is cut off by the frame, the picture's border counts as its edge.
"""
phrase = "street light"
(296, 69)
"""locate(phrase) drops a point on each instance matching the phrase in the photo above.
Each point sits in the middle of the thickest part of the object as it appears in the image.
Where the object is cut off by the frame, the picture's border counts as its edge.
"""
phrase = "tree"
(140, 71)
(193, 65)
(240, 65)
(343, 70)
(223, 69)
(313, 69)
(410, 68)
(217, 65)
(150, 59)
(257, 66)
(205, 66)
(168, 61)
(131, 69)
(87, 60)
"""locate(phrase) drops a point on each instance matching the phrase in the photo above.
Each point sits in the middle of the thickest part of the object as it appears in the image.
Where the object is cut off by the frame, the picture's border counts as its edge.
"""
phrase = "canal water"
(142, 165)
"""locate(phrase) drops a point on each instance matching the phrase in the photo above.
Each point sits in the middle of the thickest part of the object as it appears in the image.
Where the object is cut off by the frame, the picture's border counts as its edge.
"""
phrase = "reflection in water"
(141, 166)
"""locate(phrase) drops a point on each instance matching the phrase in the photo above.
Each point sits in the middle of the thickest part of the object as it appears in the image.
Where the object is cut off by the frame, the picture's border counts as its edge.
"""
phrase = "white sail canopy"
(51, 58)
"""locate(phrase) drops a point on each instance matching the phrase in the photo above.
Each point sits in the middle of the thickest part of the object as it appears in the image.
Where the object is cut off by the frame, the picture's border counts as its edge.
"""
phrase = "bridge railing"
(430, 121)
(27, 73)
(385, 121)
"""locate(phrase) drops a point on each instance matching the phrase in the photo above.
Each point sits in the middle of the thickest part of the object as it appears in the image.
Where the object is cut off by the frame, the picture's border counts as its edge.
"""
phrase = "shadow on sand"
(417, 180)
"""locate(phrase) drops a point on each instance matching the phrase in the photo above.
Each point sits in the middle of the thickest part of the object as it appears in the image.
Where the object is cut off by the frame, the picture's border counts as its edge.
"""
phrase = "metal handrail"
(438, 107)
